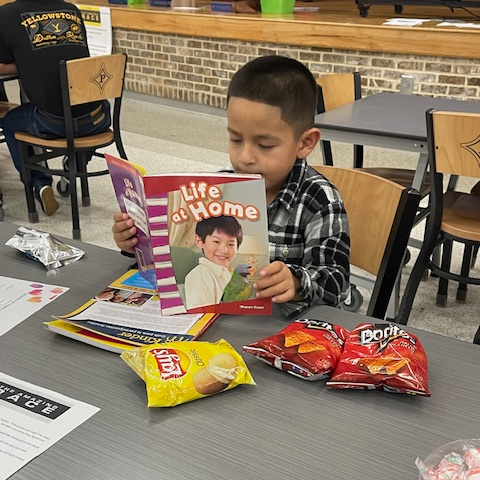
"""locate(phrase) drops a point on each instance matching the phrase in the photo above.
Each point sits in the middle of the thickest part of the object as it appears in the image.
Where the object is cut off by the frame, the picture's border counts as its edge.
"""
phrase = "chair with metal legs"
(380, 215)
(85, 80)
(453, 140)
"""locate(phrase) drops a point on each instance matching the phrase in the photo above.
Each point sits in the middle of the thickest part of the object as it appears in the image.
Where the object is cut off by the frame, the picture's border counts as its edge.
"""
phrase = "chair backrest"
(380, 215)
(92, 79)
(338, 89)
(456, 142)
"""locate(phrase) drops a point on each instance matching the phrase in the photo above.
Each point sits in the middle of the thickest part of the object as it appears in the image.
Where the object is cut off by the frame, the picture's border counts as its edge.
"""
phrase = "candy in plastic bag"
(44, 248)
(458, 460)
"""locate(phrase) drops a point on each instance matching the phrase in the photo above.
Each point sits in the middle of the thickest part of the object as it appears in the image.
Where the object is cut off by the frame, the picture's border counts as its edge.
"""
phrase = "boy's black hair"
(223, 224)
(280, 82)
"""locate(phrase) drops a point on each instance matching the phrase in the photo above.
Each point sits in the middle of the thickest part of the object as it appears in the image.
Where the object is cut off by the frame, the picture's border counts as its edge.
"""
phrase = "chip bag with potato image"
(309, 349)
(178, 372)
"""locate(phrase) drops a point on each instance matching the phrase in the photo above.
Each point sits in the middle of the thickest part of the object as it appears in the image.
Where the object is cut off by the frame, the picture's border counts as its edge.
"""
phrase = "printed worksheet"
(20, 298)
(32, 419)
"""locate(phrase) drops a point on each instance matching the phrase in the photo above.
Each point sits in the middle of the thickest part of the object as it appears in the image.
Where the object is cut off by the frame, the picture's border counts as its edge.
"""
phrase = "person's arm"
(317, 273)
(8, 69)
(325, 270)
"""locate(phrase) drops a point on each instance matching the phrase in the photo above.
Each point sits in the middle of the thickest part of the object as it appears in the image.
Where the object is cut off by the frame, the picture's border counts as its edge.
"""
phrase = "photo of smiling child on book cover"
(217, 244)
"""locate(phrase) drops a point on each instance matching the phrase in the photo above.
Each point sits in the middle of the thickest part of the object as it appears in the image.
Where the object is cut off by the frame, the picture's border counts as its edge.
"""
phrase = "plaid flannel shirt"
(308, 230)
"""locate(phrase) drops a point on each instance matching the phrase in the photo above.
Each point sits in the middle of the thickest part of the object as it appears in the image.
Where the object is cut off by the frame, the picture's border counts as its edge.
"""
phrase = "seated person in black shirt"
(34, 37)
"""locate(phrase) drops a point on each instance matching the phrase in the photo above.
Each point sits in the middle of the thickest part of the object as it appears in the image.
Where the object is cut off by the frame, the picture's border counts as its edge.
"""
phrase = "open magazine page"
(128, 311)
(128, 185)
(209, 236)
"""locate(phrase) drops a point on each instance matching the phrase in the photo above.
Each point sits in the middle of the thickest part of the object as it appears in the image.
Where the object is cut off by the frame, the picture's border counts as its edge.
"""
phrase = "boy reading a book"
(271, 106)
(218, 238)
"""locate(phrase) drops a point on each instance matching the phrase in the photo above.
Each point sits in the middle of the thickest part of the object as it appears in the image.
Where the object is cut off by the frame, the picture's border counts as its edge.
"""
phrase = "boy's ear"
(308, 141)
(198, 241)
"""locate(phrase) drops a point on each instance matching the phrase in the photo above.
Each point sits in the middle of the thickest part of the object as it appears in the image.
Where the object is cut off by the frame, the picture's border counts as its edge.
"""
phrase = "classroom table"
(388, 120)
(282, 428)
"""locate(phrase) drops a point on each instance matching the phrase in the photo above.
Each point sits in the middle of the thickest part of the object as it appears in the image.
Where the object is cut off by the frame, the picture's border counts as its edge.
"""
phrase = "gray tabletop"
(391, 115)
(283, 428)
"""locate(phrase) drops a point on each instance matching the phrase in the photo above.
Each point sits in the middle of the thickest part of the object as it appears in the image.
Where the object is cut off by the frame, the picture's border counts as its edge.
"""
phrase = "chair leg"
(442, 292)
(476, 340)
(474, 256)
(465, 271)
(82, 168)
(119, 144)
(26, 176)
(358, 156)
(326, 147)
(72, 160)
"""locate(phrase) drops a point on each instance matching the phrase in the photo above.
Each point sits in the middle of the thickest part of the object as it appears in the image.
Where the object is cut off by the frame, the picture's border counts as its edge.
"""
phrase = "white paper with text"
(32, 419)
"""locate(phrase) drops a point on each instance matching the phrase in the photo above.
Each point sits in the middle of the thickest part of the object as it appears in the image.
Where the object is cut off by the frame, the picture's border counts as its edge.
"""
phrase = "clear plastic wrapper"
(458, 460)
(44, 248)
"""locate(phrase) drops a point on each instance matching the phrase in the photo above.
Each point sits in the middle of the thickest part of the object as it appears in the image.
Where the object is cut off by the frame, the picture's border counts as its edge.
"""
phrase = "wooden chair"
(453, 140)
(381, 215)
(84, 80)
(338, 89)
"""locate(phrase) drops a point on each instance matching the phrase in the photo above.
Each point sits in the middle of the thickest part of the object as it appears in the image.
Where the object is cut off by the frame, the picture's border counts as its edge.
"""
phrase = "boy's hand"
(277, 282)
(124, 232)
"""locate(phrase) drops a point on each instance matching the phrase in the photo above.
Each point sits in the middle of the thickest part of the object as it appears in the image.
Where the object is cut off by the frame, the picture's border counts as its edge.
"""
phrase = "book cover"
(127, 179)
(127, 314)
(208, 235)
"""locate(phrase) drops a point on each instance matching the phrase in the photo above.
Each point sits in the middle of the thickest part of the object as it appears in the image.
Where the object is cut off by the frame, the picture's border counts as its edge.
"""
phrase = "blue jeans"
(25, 118)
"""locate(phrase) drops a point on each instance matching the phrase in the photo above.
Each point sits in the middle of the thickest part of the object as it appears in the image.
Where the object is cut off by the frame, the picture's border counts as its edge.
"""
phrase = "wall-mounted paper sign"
(98, 24)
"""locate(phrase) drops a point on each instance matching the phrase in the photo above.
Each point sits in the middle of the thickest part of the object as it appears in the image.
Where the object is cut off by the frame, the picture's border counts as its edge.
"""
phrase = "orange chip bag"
(308, 349)
(178, 372)
(382, 356)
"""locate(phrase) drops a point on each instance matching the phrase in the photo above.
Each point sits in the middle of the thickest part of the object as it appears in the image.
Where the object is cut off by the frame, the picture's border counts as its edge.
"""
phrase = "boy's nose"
(247, 155)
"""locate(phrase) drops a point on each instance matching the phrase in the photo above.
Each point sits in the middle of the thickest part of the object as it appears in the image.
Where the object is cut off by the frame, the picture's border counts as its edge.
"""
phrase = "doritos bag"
(382, 356)
(308, 349)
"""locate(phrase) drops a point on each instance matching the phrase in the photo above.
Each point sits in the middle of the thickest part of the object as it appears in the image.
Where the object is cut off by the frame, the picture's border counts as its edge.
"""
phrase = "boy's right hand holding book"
(124, 232)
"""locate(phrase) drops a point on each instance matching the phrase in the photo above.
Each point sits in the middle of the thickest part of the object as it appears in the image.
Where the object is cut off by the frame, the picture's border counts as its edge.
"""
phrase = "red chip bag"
(382, 356)
(308, 349)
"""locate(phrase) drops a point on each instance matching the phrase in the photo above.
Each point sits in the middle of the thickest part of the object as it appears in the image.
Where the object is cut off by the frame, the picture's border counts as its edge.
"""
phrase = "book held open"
(202, 238)
(126, 314)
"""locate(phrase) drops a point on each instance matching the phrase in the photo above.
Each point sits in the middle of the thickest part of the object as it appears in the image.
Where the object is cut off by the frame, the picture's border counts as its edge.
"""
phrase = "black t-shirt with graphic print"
(37, 35)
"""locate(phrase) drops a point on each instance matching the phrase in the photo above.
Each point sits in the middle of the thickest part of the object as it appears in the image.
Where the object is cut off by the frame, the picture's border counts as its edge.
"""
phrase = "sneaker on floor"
(47, 200)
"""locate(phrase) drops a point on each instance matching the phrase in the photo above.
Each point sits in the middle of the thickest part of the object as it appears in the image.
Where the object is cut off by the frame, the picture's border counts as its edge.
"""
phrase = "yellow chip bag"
(178, 372)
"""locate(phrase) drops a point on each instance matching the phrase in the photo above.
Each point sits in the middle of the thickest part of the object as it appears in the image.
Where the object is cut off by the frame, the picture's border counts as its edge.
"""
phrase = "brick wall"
(198, 70)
